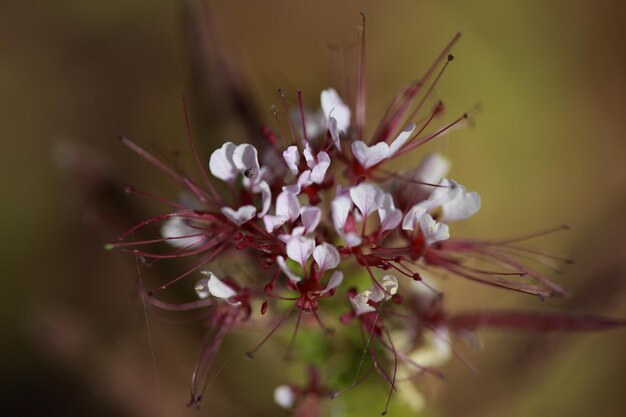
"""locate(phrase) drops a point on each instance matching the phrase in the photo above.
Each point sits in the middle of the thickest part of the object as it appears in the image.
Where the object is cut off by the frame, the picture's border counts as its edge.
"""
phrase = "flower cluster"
(316, 208)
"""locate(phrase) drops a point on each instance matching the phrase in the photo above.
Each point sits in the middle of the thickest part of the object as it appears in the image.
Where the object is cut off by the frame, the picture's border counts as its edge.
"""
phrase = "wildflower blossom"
(330, 209)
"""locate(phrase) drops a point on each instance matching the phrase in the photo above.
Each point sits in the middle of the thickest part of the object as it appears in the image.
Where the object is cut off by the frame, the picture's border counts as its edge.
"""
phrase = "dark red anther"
(266, 265)
(268, 287)
(397, 299)
(417, 277)
(238, 236)
(264, 307)
(249, 238)
(386, 266)
(129, 189)
(398, 259)
(242, 245)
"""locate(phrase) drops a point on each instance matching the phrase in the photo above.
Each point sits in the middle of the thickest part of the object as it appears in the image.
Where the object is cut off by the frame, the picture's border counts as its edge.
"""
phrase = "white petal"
(239, 217)
(202, 288)
(334, 132)
(340, 208)
(300, 249)
(366, 197)
(332, 105)
(304, 180)
(399, 142)
(266, 197)
(436, 349)
(335, 280)
(389, 285)
(359, 302)
(463, 206)
(221, 162)
(273, 222)
(321, 166)
(326, 256)
(284, 396)
(413, 215)
(296, 232)
(352, 239)
(308, 156)
(310, 217)
(282, 264)
(368, 156)
(218, 289)
(390, 216)
(432, 169)
(287, 205)
(433, 231)
(246, 160)
(292, 158)
(175, 228)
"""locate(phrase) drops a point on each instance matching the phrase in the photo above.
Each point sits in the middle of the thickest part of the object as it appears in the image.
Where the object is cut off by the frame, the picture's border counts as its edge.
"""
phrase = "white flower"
(359, 302)
(389, 285)
(333, 106)
(300, 249)
(215, 287)
(241, 215)
(369, 156)
(174, 231)
(284, 396)
(455, 201)
(433, 231)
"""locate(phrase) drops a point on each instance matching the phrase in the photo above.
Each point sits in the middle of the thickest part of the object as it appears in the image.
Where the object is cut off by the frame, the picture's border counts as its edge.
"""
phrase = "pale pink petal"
(310, 217)
(292, 158)
(366, 197)
(266, 197)
(326, 256)
(219, 289)
(296, 232)
(334, 132)
(318, 172)
(433, 231)
(300, 249)
(287, 205)
(340, 209)
(413, 215)
(352, 239)
(332, 105)
(432, 169)
(304, 180)
(389, 285)
(399, 142)
(174, 231)
(221, 162)
(335, 281)
(282, 264)
(368, 156)
(390, 216)
(246, 160)
(464, 205)
(273, 222)
(359, 302)
(239, 216)
(308, 156)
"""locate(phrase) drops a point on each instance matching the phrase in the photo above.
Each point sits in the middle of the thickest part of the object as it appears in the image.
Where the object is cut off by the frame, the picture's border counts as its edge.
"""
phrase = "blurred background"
(547, 149)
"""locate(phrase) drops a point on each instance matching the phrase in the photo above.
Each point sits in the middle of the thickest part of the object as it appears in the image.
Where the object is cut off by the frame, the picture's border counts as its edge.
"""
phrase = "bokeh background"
(548, 148)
